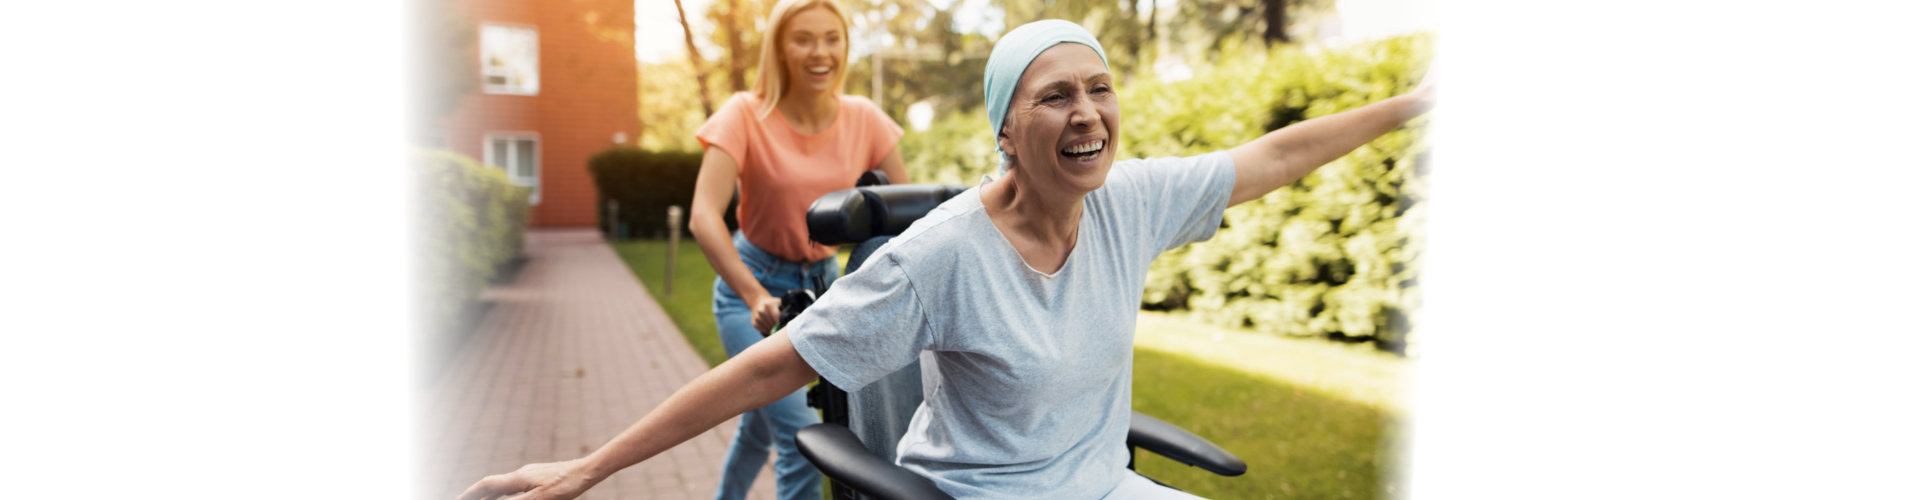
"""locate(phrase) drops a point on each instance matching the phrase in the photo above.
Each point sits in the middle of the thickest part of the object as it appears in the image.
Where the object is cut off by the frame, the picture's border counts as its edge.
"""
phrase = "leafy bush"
(472, 223)
(1334, 255)
(645, 183)
(954, 149)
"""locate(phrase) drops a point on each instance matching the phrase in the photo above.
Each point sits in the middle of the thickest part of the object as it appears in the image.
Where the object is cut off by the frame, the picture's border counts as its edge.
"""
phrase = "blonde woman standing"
(791, 140)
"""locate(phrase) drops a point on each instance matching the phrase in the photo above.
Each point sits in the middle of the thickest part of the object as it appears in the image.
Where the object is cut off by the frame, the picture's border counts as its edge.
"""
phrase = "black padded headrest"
(855, 215)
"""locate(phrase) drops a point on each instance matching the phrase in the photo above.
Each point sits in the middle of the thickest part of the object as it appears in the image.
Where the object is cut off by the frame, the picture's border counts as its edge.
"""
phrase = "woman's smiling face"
(814, 46)
(1063, 120)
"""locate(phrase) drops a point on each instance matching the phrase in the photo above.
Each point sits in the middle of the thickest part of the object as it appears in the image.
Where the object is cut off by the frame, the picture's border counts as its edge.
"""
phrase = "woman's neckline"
(1080, 234)
(830, 122)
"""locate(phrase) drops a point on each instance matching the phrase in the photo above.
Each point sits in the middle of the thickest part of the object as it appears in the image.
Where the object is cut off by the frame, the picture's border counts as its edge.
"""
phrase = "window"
(519, 155)
(509, 59)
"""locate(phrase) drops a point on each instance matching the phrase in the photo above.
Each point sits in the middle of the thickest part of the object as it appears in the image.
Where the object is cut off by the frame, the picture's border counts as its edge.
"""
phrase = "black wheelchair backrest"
(868, 216)
(862, 213)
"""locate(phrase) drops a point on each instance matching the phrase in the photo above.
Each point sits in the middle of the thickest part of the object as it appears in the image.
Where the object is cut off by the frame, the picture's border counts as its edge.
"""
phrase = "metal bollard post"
(673, 245)
(613, 220)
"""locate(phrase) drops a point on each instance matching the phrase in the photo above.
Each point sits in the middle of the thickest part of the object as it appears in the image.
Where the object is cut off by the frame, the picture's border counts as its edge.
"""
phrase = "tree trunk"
(693, 56)
(736, 62)
(1276, 13)
(1130, 12)
(1153, 13)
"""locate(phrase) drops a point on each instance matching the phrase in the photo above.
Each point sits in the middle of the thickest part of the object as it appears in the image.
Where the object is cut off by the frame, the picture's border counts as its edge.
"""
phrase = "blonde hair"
(771, 84)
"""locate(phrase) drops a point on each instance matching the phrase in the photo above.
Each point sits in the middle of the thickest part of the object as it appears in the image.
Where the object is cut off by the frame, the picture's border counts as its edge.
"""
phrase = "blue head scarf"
(1010, 58)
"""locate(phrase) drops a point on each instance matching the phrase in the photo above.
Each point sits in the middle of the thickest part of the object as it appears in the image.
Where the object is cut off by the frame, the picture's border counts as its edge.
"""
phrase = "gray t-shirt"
(1028, 378)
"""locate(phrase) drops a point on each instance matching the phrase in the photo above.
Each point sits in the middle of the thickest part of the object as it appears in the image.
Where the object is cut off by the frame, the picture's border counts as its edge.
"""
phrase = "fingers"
(762, 323)
(478, 491)
(766, 314)
(492, 486)
(1427, 81)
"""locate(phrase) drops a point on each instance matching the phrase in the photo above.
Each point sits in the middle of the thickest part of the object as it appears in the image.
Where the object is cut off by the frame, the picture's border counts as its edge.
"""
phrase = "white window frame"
(531, 83)
(514, 138)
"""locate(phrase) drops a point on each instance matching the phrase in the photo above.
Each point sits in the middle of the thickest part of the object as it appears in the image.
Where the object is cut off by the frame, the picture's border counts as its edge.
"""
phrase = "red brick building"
(558, 83)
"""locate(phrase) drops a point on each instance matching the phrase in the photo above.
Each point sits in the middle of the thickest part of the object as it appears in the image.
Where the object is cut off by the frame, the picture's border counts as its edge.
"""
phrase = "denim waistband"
(756, 258)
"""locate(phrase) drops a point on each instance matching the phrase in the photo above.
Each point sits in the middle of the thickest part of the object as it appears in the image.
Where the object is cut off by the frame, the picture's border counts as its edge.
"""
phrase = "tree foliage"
(740, 27)
(668, 116)
(1212, 24)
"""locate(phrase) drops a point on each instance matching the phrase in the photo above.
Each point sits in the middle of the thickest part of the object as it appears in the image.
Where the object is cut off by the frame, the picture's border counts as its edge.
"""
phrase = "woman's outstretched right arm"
(711, 192)
(760, 375)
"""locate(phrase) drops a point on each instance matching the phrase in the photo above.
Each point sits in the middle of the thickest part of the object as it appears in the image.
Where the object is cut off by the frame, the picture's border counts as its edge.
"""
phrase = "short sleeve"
(885, 134)
(727, 128)
(869, 324)
(1184, 197)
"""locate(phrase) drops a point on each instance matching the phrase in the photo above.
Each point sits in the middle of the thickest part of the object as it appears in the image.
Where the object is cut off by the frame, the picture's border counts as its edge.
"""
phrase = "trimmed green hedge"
(472, 223)
(645, 183)
(1334, 255)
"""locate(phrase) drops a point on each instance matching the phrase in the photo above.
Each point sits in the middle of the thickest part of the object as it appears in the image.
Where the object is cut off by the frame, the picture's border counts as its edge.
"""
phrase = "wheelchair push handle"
(792, 303)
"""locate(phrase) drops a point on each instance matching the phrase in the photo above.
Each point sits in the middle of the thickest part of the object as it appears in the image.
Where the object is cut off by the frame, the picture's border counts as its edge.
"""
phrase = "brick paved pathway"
(572, 352)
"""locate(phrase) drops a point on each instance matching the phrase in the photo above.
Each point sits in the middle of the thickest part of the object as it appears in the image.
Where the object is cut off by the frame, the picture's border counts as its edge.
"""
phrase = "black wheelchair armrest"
(858, 214)
(840, 456)
(1173, 442)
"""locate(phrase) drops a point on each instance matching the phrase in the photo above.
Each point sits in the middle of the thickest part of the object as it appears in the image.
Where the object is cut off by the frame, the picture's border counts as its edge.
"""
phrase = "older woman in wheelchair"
(1017, 299)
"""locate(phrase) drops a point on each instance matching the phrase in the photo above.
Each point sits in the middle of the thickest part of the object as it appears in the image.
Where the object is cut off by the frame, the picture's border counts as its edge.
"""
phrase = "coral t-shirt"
(782, 171)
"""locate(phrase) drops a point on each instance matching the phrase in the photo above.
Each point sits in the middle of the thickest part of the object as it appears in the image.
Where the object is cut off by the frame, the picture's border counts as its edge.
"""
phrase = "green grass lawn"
(1312, 419)
(1308, 438)
(691, 304)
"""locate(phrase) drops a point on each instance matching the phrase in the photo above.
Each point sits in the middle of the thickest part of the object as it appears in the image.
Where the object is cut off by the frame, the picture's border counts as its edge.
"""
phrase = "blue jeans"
(772, 425)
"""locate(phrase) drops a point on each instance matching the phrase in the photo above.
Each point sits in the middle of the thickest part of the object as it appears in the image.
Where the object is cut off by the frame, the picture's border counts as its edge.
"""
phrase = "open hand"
(548, 481)
(1424, 93)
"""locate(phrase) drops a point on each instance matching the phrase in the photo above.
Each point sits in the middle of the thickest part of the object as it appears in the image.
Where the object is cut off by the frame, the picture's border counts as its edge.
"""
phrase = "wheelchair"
(854, 446)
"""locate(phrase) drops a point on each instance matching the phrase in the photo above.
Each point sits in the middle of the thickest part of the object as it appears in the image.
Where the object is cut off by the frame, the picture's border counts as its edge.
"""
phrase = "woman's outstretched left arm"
(1283, 156)
(765, 372)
